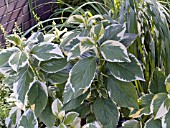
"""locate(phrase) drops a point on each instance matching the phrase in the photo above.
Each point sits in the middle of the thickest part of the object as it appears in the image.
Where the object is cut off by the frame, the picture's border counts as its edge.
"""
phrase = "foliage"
(4, 105)
(88, 68)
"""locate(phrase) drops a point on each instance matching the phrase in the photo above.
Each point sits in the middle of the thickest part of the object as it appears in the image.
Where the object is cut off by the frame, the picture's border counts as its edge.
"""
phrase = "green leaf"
(22, 83)
(76, 19)
(72, 104)
(97, 32)
(131, 124)
(28, 120)
(123, 93)
(14, 39)
(166, 120)
(160, 105)
(47, 117)
(113, 32)
(157, 83)
(114, 51)
(127, 71)
(151, 123)
(56, 106)
(5, 55)
(46, 51)
(18, 60)
(167, 83)
(58, 77)
(128, 39)
(53, 65)
(37, 97)
(82, 75)
(13, 118)
(70, 117)
(106, 112)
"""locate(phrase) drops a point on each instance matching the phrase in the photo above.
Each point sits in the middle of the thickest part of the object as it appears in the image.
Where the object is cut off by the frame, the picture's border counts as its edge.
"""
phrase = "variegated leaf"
(46, 51)
(114, 51)
(74, 52)
(28, 120)
(56, 106)
(76, 19)
(97, 32)
(18, 60)
(67, 39)
(53, 65)
(47, 117)
(128, 39)
(105, 111)
(113, 32)
(167, 83)
(127, 71)
(166, 120)
(92, 125)
(58, 77)
(72, 104)
(157, 83)
(49, 38)
(70, 117)
(14, 39)
(151, 123)
(5, 55)
(123, 93)
(22, 83)
(85, 44)
(145, 102)
(62, 126)
(68, 93)
(37, 97)
(131, 124)
(160, 105)
(13, 118)
(82, 75)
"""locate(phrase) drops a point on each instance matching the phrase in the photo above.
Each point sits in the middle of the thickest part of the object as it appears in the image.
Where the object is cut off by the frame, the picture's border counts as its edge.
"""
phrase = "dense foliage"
(86, 74)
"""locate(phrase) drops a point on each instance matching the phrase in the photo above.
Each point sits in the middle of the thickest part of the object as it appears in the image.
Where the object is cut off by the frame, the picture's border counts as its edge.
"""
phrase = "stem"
(35, 72)
(100, 68)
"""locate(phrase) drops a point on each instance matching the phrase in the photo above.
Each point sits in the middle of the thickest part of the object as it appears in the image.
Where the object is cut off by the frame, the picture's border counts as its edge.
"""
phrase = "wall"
(18, 11)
